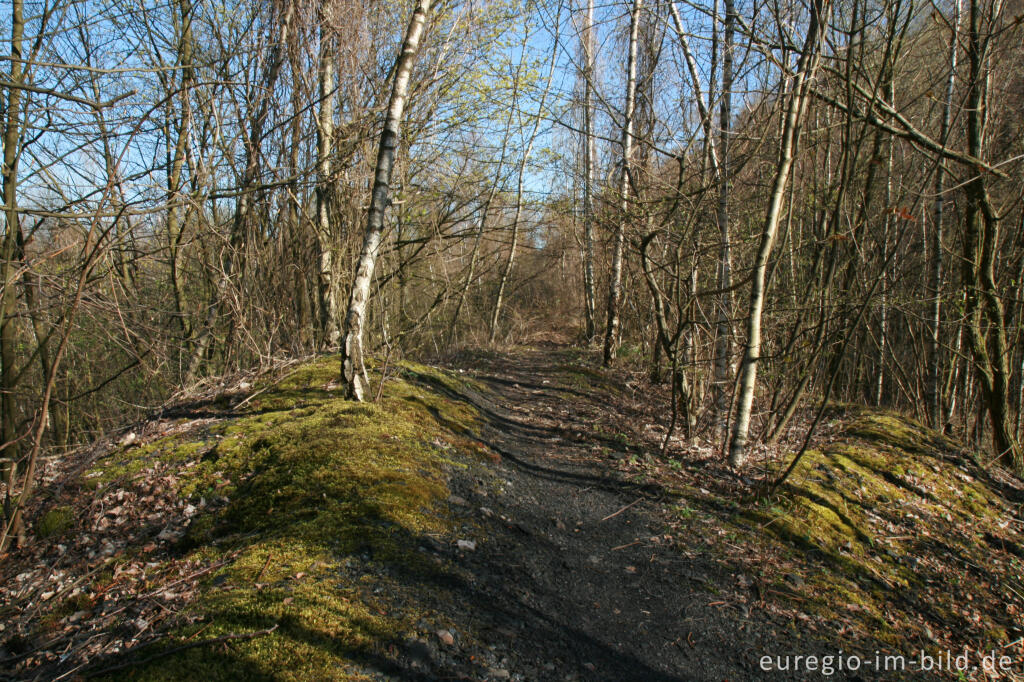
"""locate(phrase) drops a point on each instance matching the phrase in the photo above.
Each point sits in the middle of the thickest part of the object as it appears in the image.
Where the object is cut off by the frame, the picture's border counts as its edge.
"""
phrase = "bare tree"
(984, 314)
(797, 104)
(12, 237)
(353, 367)
(933, 386)
(723, 327)
(611, 335)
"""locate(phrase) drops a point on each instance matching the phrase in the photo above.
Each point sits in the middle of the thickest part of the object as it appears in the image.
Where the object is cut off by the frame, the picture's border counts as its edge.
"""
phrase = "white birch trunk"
(797, 104)
(611, 337)
(589, 159)
(327, 241)
(353, 368)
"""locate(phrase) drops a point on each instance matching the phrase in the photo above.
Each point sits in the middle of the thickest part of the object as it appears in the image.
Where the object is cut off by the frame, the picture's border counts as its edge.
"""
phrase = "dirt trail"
(554, 557)
(571, 578)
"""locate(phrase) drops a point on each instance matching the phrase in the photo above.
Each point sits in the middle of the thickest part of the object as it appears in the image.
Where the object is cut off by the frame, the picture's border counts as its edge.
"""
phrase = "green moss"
(313, 483)
(55, 522)
(126, 464)
(898, 431)
(872, 509)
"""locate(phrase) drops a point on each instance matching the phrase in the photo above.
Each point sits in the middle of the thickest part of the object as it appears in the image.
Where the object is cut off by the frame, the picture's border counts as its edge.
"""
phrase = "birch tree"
(611, 335)
(589, 160)
(352, 362)
(795, 108)
(327, 238)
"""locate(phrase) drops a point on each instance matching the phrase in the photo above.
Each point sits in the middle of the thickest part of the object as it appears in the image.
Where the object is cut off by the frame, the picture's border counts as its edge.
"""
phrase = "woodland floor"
(573, 553)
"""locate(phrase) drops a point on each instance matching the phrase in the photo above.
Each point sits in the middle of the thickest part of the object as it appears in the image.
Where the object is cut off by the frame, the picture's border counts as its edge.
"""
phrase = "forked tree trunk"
(695, 83)
(611, 334)
(985, 319)
(797, 104)
(352, 366)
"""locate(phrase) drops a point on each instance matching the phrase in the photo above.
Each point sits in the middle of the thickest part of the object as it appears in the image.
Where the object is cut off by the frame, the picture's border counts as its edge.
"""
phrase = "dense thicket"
(770, 205)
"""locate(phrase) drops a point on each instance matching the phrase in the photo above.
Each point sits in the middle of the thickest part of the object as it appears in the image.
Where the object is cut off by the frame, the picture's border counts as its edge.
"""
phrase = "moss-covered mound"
(289, 497)
(891, 532)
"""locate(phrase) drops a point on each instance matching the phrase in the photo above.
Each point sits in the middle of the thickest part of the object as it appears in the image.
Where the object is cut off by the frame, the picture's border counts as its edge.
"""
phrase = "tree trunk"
(9, 272)
(986, 330)
(933, 387)
(353, 368)
(723, 324)
(327, 240)
(887, 220)
(589, 159)
(797, 104)
(611, 336)
(175, 163)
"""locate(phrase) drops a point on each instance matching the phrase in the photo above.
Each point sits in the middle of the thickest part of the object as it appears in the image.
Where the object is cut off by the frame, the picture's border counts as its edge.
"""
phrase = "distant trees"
(865, 306)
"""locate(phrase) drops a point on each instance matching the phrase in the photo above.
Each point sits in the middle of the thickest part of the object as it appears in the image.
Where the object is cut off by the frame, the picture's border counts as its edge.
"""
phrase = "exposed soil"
(573, 575)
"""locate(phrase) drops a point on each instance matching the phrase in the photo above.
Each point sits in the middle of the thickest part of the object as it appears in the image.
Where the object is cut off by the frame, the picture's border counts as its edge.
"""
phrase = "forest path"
(571, 577)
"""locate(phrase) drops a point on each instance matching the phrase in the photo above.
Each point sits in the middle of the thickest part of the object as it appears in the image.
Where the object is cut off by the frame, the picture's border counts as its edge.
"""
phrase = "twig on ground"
(177, 649)
(263, 570)
(614, 514)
